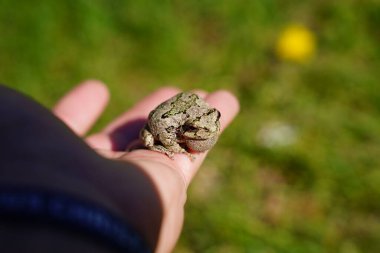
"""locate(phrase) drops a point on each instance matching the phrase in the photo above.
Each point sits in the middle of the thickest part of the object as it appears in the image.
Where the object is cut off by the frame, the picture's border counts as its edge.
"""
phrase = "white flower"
(276, 134)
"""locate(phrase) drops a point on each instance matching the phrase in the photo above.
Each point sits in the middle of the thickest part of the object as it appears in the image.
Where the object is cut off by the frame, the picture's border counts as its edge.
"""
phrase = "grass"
(318, 193)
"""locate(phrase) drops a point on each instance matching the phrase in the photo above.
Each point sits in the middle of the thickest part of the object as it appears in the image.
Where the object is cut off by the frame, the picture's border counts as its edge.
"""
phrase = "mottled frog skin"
(182, 124)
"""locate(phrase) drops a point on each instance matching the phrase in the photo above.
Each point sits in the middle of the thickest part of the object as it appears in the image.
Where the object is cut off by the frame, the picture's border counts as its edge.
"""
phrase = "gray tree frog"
(182, 124)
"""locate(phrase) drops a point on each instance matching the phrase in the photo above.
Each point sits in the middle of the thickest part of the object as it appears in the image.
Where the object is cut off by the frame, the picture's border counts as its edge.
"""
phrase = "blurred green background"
(297, 171)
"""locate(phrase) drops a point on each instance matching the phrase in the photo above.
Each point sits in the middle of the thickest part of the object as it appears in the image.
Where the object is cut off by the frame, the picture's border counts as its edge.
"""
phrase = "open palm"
(82, 106)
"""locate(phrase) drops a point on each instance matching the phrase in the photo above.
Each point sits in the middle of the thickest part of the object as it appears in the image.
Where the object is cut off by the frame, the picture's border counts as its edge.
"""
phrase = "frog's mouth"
(192, 133)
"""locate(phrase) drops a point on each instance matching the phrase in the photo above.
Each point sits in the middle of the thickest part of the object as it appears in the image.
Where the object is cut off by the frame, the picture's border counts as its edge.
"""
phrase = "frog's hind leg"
(148, 140)
(167, 145)
(170, 143)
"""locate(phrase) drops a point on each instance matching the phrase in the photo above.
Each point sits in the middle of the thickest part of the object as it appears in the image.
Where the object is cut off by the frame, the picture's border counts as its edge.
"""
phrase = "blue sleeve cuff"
(58, 209)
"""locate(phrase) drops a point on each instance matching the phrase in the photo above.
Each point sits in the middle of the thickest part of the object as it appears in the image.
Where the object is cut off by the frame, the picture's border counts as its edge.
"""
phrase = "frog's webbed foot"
(169, 153)
(162, 149)
(174, 147)
(191, 156)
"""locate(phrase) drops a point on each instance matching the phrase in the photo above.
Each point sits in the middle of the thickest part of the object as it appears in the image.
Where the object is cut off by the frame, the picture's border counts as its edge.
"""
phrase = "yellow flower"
(295, 43)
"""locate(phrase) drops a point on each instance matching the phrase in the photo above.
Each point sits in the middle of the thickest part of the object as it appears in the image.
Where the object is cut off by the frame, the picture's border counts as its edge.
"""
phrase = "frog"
(184, 123)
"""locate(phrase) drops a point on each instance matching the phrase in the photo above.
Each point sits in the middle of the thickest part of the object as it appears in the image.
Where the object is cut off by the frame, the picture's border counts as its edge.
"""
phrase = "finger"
(201, 93)
(142, 109)
(82, 106)
(226, 103)
(125, 129)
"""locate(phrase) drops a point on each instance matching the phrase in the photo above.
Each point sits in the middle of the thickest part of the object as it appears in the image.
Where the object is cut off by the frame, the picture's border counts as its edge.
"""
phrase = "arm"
(145, 188)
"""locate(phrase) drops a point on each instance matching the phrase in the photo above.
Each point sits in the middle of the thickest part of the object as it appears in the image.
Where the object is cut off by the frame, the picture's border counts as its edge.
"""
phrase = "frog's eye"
(189, 128)
(218, 117)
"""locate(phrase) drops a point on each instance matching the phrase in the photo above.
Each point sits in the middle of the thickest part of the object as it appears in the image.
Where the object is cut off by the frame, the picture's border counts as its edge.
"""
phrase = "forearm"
(40, 152)
(125, 191)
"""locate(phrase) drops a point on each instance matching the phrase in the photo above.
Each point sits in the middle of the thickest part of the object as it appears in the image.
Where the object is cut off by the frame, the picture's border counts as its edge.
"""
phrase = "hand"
(148, 187)
(171, 177)
(81, 107)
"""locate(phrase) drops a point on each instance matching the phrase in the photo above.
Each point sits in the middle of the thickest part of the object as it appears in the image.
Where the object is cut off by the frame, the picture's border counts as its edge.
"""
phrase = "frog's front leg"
(146, 137)
(148, 141)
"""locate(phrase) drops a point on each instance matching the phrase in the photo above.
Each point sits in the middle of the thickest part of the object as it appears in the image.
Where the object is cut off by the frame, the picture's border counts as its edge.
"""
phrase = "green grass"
(318, 194)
